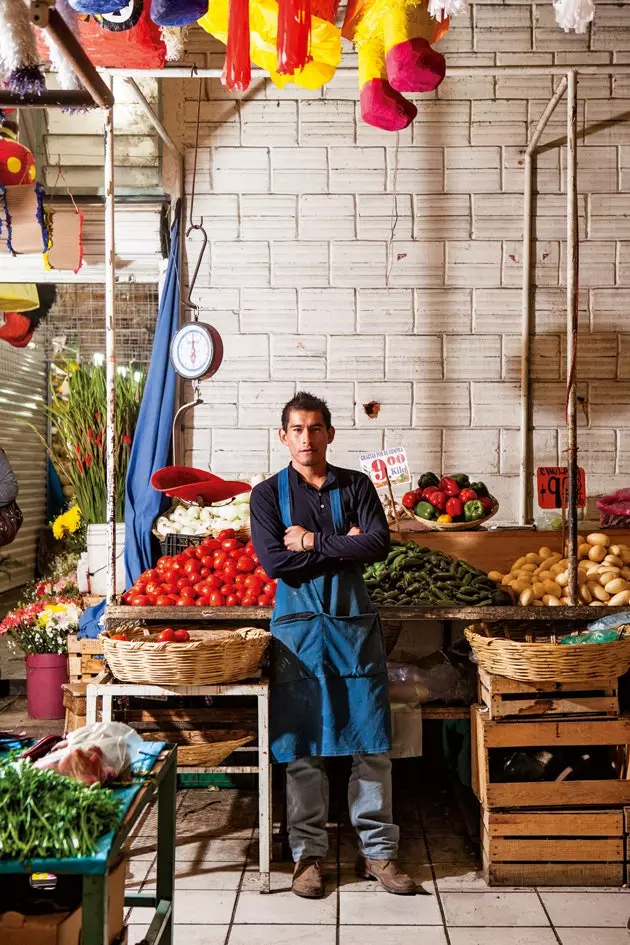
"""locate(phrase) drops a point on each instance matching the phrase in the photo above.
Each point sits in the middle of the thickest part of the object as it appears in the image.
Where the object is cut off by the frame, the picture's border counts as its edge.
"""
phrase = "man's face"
(307, 437)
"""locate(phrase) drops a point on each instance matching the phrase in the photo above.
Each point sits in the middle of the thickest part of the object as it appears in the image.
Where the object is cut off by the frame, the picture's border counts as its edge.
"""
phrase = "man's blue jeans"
(369, 803)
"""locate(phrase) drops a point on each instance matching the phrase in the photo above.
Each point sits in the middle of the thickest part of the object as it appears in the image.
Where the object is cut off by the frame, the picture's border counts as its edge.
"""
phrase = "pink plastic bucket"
(45, 675)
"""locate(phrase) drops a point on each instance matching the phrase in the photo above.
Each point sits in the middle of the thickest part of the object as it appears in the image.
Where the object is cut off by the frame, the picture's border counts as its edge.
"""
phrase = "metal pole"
(51, 98)
(525, 512)
(110, 353)
(572, 332)
(186, 72)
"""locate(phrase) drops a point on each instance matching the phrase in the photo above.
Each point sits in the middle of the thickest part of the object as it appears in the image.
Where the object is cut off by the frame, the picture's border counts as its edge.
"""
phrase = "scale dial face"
(193, 350)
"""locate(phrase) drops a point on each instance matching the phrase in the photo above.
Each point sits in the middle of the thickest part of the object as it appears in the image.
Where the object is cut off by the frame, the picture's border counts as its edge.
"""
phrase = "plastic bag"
(590, 636)
(614, 510)
(96, 753)
(611, 621)
(414, 686)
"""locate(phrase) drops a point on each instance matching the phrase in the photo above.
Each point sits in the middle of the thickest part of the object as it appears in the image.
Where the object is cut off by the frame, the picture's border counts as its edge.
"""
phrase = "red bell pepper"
(437, 499)
(455, 507)
(467, 495)
(449, 486)
(487, 503)
(409, 500)
(427, 492)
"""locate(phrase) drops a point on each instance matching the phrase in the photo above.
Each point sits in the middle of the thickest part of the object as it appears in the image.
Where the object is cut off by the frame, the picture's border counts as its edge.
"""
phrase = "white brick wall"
(341, 264)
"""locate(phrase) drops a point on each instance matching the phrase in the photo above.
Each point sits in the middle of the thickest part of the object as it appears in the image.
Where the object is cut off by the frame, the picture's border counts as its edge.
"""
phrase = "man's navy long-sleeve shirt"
(310, 508)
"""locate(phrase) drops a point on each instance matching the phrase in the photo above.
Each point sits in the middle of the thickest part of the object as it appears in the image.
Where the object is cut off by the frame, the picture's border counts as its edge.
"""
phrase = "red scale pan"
(196, 485)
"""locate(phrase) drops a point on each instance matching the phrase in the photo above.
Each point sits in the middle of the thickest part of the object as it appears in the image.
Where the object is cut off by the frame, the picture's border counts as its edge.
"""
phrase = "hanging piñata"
(177, 12)
(17, 164)
(394, 46)
(294, 40)
(126, 38)
(19, 62)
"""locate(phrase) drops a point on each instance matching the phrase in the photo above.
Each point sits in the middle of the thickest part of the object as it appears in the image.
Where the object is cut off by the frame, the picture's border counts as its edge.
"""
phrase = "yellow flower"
(58, 527)
(68, 523)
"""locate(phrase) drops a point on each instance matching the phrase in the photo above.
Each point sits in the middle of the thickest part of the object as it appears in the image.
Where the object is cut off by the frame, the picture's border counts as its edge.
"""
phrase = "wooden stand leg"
(264, 793)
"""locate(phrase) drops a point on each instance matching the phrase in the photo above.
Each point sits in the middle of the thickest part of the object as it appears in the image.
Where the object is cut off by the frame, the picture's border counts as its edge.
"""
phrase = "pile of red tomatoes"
(220, 572)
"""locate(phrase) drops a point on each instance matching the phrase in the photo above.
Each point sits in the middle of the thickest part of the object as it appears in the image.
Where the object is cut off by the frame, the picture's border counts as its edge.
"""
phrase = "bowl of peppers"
(452, 503)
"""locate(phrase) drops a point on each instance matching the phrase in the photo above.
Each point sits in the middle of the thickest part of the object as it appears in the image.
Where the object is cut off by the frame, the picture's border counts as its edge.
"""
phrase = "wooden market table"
(161, 784)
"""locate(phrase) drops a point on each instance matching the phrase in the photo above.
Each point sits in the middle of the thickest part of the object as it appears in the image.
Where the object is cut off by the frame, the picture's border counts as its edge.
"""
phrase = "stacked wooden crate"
(570, 832)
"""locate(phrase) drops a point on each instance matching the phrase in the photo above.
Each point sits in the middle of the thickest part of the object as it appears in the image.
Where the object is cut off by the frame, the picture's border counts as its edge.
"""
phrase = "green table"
(161, 783)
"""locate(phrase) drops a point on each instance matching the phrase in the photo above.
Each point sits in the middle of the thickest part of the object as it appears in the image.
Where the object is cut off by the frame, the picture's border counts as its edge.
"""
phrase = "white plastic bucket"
(97, 558)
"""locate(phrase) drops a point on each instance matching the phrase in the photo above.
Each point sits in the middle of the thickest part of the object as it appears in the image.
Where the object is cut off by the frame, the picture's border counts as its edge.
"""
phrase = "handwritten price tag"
(553, 487)
(386, 464)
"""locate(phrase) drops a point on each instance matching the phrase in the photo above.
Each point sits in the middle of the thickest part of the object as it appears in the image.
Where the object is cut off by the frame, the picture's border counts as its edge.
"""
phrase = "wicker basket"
(458, 526)
(211, 657)
(542, 660)
(202, 748)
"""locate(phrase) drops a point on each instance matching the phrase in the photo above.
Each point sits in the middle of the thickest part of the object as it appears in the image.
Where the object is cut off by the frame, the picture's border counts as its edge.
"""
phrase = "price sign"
(386, 465)
(553, 487)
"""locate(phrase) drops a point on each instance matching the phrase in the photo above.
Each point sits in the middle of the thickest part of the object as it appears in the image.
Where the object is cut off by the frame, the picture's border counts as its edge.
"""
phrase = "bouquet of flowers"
(42, 626)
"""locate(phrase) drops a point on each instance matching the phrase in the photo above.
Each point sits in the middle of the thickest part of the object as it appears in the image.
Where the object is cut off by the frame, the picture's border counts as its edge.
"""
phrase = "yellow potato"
(519, 586)
(623, 597)
(537, 603)
(583, 566)
(616, 550)
(528, 568)
(532, 558)
(625, 573)
(597, 553)
(599, 592)
(544, 575)
(583, 550)
(545, 552)
(507, 579)
(553, 559)
(551, 601)
(613, 559)
(519, 563)
(563, 578)
(616, 585)
(596, 603)
(607, 577)
(526, 597)
(495, 576)
(581, 577)
(598, 538)
(539, 590)
(585, 594)
(565, 600)
(552, 588)
(625, 557)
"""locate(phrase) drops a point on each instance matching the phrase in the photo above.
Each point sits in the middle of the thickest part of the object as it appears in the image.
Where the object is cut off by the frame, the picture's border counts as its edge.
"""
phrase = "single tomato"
(163, 600)
(230, 570)
(261, 573)
(269, 589)
(182, 636)
(245, 564)
(211, 544)
(249, 601)
(217, 599)
(189, 592)
(140, 600)
(228, 589)
(207, 561)
(214, 582)
(189, 553)
(153, 597)
(184, 602)
(240, 579)
(182, 583)
(199, 552)
(117, 636)
(126, 597)
(166, 636)
(264, 600)
(249, 547)
(231, 600)
(202, 601)
(231, 544)
(192, 565)
(170, 588)
(176, 566)
(205, 572)
(226, 533)
(150, 575)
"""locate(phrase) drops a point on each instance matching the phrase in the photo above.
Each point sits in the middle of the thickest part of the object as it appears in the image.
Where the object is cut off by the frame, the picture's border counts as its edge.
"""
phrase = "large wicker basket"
(202, 748)
(545, 660)
(211, 657)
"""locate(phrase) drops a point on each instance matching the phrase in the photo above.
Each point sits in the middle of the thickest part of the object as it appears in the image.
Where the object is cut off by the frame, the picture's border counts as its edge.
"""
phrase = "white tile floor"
(217, 900)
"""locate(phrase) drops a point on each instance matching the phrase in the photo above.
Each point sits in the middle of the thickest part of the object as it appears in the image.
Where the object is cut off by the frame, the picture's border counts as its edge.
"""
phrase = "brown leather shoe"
(387, 873)
(307, 879)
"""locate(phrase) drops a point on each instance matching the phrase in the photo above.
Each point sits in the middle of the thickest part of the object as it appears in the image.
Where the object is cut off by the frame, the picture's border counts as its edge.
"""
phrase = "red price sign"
(385, 466)
(553, 487)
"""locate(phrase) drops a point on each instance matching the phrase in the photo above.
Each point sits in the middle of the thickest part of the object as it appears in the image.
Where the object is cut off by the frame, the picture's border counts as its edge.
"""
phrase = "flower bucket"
(97, 558)
(45, 675)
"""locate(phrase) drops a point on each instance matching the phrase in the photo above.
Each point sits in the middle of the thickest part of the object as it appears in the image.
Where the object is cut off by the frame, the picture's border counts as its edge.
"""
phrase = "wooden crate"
(553, 848)
(508, 698)
(488, 734)
(85, 659)
(75, 705)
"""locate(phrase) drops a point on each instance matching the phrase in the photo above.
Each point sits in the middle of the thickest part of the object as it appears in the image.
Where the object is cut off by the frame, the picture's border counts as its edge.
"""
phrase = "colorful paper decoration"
(94, 7)
(22, 219)
(177, 12)
(19, 62)
(66, 239)
(294, 32)
(128, 37)
(393, 40)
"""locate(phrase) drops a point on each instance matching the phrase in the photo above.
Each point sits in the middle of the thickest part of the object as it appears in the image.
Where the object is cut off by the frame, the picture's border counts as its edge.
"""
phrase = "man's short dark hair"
(305, 401)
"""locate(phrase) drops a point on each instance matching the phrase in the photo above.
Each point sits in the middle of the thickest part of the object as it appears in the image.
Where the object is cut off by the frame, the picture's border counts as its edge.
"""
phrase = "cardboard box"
(65, 928)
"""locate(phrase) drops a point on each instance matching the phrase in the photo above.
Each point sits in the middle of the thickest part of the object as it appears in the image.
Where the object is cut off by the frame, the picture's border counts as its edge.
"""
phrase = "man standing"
(313, 526)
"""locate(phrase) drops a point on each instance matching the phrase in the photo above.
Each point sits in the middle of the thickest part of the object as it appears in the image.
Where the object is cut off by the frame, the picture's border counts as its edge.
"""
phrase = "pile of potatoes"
(541, 579)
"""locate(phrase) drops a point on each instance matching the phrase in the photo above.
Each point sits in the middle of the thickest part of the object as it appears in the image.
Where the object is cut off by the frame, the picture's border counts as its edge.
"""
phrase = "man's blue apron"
(329, 691)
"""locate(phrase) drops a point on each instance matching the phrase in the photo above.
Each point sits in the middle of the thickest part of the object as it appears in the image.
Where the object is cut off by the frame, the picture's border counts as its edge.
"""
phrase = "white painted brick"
(238, 264)
(299, 170)
(220, 216)
(596, 450)
(500, 28)
(220, 124)
(495, 404)
(198, 441)
(497, 215)
(442, 403)
(331, 311)
(505, 491)
(624, 163)
(356, 357)
(597, 169)
(470, 262)
(395, 401)
(272, 216)
(344, 86)
(596, 356)
(229, 453)
(296, 263)
(613, 126)
(624, 264)
(548, 36)
(339, 395)
(295, 356)
(414, 357)
(476, 451)
(442, 216)
(549, 404)
(597, 264)
(378, 214)
(270, 123)
(385, 310)
(513, 87)
(357, 170)
(610, 308)
(468, 357)
(260, 405)
(203, 184)
(246, 356)
(610, 216)
(501, 122)
(417, 263)
(225, 320)
(444, 310)
(217, 410)
(466, 87)
(497, 310)
(358, 264)
(459, 37)
(326, 217)
(349, 444)
(545, 450)
(547, 176)
(546, 263)
(423, 447)
(550, 311)
(473, 170)
(545, 362)
(624, 362)
(609, 404)
(240, 170)
(611, 28)
(416, 170)
(272, 310)
(623, 462)
(446, 124)
(326, 120)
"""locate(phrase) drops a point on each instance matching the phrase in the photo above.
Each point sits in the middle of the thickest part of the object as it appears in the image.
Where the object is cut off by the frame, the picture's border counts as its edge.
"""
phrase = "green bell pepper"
(427, 511)
(461, 479)
(427, 479)
(481, 489)
(473, 510)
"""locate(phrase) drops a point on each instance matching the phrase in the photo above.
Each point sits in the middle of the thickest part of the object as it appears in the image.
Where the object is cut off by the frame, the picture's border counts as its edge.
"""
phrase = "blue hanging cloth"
(151, 446)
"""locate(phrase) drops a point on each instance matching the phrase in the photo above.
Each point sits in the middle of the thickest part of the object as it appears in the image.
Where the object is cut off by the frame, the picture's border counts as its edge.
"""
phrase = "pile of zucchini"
(416, 576)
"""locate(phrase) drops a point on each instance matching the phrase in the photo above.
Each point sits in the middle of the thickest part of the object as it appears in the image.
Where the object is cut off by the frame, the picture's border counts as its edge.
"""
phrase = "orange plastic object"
(189, 484)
